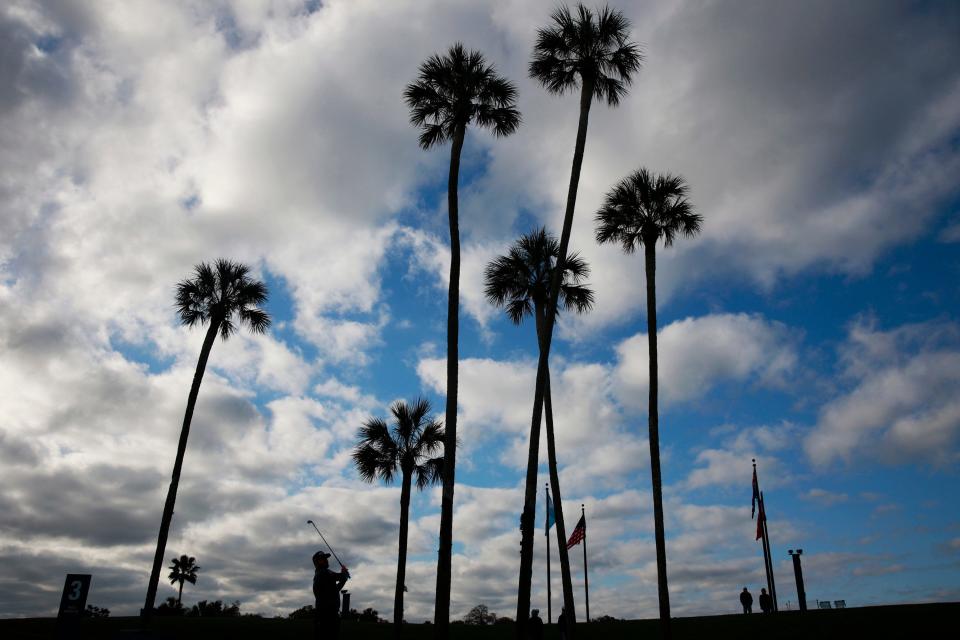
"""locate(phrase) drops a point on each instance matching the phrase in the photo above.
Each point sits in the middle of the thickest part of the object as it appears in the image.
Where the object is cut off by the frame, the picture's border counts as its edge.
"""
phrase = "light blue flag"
(550, 517)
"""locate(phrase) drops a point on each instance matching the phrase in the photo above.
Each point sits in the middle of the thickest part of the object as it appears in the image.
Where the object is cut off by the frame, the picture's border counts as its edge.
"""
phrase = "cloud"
(824, 498)
(137, 139)
(594, 443)
(901, 403)
(695, 354)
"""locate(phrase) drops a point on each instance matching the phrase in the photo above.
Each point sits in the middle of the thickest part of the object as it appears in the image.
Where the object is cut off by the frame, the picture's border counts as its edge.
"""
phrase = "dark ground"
(940, 620)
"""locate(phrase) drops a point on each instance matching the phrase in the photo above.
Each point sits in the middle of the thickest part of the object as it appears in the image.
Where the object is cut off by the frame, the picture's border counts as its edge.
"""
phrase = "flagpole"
(771, 582)
(765, 539)
(586, 582)
(766, 546)
(547, 534)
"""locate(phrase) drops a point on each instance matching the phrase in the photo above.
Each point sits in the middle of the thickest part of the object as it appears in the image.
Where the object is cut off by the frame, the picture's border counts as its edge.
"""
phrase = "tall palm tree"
(643, 209)
(406, 448)
(223, 296)
(590, 50)
(520, 282)
(183, 569)
(450, 93)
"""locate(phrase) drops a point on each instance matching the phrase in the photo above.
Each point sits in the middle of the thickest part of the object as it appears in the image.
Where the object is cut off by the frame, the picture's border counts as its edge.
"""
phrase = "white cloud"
(824, 498)
(727, 465)
(695, 354)
(139, 138)
(901, 404)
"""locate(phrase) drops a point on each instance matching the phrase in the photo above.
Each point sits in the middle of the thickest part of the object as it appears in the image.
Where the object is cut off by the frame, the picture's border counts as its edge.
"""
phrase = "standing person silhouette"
(562, 624)
(326, 593)
(535, 625)
(766, 602)
(746, 600)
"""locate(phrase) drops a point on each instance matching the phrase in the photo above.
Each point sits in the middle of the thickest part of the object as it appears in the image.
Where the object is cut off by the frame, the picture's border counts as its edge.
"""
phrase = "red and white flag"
(761, 518)
(579, 533)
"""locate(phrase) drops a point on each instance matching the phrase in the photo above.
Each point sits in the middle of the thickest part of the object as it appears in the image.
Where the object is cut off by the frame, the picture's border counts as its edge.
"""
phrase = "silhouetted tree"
(590, 50)
(183, 569)
(170, 607)
(450, 93)
(368, 615)
(215, 609)
(480, 615)
(643, 209)
(96, 612)
(223, 296)
(520, 282)
(303, 613)
(408, 448)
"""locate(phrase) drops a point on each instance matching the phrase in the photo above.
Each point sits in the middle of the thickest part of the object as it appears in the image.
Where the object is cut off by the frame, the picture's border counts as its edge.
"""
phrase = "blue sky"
(812, 325)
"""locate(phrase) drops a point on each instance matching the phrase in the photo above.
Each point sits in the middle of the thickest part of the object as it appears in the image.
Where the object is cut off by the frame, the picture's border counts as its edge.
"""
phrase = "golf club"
(311, 522)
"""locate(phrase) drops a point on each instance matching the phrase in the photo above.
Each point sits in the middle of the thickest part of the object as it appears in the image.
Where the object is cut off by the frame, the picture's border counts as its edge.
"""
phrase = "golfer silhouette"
(326, 592)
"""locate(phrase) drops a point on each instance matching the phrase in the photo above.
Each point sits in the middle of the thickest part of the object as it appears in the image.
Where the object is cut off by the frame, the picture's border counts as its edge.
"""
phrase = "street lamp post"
(798, 574)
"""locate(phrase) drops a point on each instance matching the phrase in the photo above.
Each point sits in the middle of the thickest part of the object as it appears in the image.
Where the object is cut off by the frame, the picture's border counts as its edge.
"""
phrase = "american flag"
(579, 533)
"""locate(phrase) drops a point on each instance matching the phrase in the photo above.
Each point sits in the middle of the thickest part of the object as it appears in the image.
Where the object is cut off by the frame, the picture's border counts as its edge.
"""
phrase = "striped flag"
(579, 533)
(756, 494)
(761, 518)
(550, 517)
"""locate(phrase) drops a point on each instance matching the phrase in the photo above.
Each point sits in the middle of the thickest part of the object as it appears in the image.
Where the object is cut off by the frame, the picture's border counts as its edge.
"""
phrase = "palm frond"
(586, 45)
(381, 450)
(643, 208)
(520, 281)
(429, 472)
(458, 88)
(376, 454)
(222, 293)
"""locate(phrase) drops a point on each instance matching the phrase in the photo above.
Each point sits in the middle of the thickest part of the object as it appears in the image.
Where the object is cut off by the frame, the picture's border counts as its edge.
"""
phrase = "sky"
(812, 325)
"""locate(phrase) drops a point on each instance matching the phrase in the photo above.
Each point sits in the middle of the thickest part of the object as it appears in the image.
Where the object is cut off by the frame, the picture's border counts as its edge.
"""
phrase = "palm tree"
(450, 93)
(520, 282)
(589, 50)
(643, 209)
(183, 569)
(407, 447)
(224, 296)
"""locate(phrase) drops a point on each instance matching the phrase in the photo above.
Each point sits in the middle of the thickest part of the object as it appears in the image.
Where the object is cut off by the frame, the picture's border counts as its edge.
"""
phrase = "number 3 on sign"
(74, 597)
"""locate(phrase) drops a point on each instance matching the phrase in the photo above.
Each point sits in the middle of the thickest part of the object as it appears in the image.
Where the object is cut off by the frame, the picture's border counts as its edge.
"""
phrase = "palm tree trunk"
(402, 555)
(178, 465)
(662, 591)
(530, 489)
(180, 593)
(441, 615)
(568, 603)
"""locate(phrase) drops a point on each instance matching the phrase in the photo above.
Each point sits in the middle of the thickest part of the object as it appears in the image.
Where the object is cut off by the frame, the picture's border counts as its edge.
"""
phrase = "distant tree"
(642, 210)
(589, 50)
(606, 618)
(303, 613)
(480, 615)
(369, 615)
(504, 620)
(450, 93)
(96, 612)
(233, 611)
(409, 447)
(224, 296)
(215, 609)
(171, 608)
(183, 569)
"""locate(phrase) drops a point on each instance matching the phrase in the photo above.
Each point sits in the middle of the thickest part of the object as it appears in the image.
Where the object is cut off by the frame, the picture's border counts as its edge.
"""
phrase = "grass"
(900, 621)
